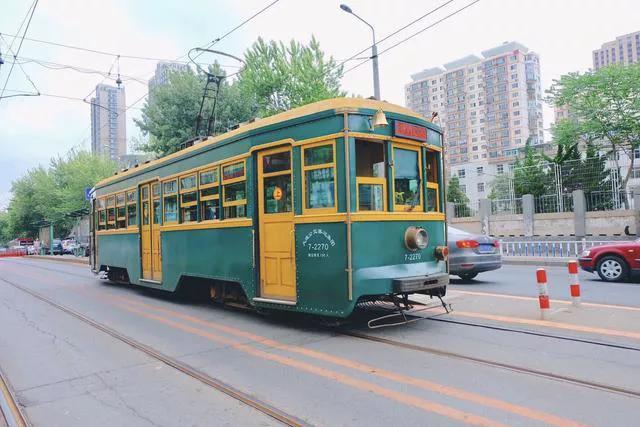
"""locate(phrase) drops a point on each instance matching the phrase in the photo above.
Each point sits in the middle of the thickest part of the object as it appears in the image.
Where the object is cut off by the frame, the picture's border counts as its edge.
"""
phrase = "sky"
(35, 129)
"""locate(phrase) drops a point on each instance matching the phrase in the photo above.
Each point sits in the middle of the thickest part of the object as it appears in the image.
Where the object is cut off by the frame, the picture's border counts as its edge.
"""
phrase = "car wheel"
(467, 276)
(612, 268)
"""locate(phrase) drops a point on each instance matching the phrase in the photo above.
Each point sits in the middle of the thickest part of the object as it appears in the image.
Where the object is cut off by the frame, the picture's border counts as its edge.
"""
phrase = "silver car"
(470, 254)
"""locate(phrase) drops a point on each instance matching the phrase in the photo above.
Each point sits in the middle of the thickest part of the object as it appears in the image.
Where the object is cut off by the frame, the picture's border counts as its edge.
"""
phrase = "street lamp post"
(374, 53)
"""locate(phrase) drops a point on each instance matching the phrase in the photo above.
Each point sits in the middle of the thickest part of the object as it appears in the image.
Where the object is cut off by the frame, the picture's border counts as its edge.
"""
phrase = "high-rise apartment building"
(490, 106)
(161, 77)
(624, 50)
(108, 121)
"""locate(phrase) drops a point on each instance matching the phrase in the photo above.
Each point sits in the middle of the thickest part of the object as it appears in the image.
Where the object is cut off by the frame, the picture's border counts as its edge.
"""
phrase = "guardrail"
(549, 249)
(13, 252)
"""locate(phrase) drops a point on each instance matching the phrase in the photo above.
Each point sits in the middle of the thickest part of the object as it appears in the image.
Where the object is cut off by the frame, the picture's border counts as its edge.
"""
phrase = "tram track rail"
(260, 406)
(495, 364)
(439, 352)
(10, 411)
(534, 333)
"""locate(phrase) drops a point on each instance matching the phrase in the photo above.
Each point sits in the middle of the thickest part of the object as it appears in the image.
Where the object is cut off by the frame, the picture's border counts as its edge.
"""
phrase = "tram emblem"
(318, 242)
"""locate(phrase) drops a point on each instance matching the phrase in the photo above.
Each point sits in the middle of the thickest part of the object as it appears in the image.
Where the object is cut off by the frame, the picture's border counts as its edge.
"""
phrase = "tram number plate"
(413, 256)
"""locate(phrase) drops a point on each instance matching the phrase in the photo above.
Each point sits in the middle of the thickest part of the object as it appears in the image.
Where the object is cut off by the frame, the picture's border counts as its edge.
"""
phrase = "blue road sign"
(87, 193)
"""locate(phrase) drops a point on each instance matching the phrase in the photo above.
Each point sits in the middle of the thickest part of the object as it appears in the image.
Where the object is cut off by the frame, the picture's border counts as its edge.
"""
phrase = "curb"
(74, 260)
(550, 262)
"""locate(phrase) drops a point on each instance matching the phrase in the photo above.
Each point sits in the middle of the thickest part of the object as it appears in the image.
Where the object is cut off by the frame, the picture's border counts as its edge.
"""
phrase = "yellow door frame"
(146, 238)
(282, 291)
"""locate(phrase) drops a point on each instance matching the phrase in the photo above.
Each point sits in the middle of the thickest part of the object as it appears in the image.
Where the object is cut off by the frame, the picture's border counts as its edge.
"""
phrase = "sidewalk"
(535, 260)
(61, 258)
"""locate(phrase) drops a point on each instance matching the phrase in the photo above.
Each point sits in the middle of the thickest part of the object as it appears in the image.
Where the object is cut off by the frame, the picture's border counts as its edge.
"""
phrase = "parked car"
(613, 263)
(57, 248)
(471, 254)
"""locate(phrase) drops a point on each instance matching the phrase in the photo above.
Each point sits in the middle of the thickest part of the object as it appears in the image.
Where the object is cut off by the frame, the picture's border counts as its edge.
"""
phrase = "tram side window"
(102, 215)
(433, 189)
(132, 209)
(121, 211)
(234, 190)
(319, 177)
(209, 195)
(111, 213)
(170, 201)
(156, 204)
(188, 199)
(370, 176)
(406, 179)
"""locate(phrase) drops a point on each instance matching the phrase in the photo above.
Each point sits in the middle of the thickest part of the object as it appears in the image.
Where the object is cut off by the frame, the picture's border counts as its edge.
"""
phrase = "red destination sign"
(407, 130)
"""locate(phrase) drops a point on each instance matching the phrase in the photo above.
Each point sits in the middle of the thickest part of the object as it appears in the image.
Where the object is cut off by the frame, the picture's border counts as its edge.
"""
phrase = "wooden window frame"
(224, 183)
(175, 193)
(111, 204)
(121, 204)
(102, 207)
(319, 211)
(434, 185)
(380, 180)
(182, 192)
(372, 181)
(132, 203)
(202, 198)
(399, 207)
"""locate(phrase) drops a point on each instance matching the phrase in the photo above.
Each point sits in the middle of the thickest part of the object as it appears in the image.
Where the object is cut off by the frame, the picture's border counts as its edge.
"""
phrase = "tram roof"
(338, 105)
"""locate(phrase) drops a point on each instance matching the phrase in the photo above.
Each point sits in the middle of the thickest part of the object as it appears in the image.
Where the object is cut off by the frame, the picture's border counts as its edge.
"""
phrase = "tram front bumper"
(420, 283)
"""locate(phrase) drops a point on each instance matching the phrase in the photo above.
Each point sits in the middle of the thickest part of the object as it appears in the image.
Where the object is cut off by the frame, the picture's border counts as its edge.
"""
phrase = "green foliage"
(280, 77)
(500, 187)
(455, 193)
(277, 77)
(48, 194)
(529, 176)
(169, 114)
(5, 236)
(605, 106)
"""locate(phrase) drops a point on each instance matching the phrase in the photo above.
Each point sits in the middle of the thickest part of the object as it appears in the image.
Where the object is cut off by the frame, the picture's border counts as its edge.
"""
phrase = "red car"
(614, 262)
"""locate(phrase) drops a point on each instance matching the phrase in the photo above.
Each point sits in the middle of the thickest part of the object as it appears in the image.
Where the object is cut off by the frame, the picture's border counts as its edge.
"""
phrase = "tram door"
(145, 191)
(277, 240)
(150, 233)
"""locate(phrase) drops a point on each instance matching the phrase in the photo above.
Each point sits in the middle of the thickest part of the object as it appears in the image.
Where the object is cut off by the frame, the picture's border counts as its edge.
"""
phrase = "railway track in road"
(10, 412)
(535, 333)
(395, 343)
(263, 407)
(496, 364)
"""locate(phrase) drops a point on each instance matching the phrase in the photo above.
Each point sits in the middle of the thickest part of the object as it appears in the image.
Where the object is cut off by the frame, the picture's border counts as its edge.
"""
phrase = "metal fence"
(549, 249)
(466, 210)
(506, 206)
(609, 200)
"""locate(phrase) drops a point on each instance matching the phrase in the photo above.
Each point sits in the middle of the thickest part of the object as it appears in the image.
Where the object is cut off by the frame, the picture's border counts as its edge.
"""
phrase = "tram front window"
(370, 175)
(406, 182)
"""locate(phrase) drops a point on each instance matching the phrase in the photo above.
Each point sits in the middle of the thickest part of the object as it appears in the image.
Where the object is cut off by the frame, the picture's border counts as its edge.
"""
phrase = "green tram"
(312, 210)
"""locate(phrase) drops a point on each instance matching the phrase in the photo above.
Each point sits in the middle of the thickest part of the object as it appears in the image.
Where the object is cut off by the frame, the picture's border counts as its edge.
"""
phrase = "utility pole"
(374, 53)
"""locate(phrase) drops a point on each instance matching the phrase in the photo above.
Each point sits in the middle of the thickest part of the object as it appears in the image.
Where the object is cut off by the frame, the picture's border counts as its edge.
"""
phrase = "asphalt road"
(521, 280)
(66, 372)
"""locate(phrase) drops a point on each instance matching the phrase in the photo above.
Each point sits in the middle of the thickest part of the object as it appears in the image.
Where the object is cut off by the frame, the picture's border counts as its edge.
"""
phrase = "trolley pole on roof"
(374, 53)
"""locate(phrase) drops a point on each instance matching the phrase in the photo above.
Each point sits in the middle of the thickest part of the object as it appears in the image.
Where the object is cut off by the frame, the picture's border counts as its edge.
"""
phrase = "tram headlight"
(416, 238)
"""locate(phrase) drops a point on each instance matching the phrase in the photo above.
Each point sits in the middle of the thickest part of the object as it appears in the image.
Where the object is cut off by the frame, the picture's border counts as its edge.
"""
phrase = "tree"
(455, 193)
(529, 176)
(169, 115)
(4, 228)
(280, 77)
(606, 104)
(501, 188)
(48, 194)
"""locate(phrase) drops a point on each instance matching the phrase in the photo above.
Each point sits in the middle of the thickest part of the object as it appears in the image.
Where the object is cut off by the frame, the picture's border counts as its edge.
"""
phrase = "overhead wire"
(21, 68)
(209, 45)
(30, 13)
(439, 21)
(388, 36)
